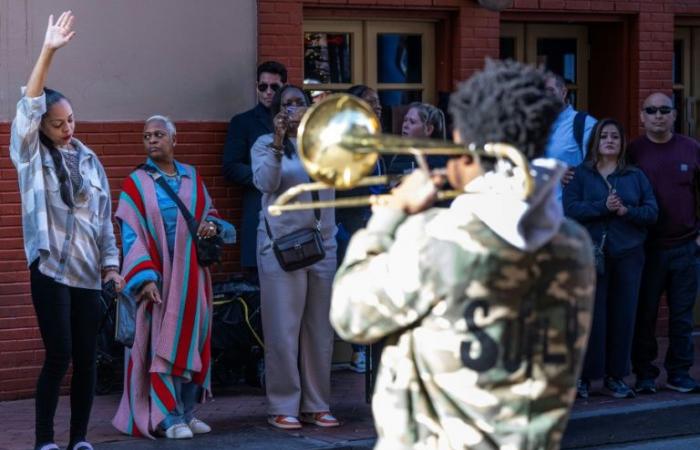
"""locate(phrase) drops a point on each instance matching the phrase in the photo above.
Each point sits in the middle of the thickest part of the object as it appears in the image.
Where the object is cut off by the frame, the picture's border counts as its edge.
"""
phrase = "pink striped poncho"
(173, 338)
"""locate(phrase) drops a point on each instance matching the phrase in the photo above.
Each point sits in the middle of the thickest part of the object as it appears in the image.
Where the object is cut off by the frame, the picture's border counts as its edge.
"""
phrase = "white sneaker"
(358, 363)
(199, 427)
(178, 431)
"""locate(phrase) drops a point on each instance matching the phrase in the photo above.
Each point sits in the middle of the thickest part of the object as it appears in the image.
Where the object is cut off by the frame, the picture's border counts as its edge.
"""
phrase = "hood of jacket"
(495, 199)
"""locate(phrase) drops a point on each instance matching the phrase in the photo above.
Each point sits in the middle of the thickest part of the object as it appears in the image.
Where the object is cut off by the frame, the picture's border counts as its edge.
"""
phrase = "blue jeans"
(610, 341)
(674, 271)
(186, 394)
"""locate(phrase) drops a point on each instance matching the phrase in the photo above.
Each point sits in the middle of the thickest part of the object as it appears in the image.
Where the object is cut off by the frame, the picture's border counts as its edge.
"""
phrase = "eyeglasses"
(262, 87)
(651, 110)
(157, 134)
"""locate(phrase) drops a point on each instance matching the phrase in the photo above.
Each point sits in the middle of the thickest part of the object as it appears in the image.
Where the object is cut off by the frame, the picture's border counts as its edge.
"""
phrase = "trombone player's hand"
(416, 193)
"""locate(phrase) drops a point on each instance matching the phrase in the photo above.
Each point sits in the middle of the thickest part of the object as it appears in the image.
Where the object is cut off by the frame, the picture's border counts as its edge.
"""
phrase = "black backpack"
(579, 128)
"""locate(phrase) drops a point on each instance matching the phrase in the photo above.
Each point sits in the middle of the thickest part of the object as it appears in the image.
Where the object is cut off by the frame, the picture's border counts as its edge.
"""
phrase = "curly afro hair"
(506, 102)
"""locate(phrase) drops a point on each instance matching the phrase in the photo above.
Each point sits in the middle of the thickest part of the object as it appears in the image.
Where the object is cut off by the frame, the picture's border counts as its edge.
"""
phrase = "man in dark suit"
(243, 131)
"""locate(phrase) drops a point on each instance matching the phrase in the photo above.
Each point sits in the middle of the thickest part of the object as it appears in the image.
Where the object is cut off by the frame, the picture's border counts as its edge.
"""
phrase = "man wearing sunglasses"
(672, 164)
(243, 131)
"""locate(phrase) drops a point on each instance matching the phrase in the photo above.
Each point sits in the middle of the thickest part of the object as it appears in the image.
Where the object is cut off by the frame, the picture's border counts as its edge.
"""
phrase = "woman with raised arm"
(68, 240)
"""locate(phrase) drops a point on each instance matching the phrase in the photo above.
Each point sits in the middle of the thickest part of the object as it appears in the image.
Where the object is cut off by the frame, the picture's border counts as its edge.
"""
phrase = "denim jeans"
(186, 394)
(674, 271)
(610, 341)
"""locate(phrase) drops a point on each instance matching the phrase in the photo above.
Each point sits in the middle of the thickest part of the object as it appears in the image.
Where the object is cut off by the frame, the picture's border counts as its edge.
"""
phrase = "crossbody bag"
(208, 249)
(299, 248)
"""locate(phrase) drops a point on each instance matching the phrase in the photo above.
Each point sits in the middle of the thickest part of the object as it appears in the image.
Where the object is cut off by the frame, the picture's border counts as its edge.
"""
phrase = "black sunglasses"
(262, 87)
(651, 110)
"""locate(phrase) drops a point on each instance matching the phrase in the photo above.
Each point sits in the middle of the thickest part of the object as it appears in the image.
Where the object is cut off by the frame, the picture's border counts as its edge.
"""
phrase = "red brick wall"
(120, 150)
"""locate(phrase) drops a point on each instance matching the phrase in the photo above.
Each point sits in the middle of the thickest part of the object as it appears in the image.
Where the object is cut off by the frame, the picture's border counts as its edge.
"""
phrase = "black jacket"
(243, 130)
(584, 201)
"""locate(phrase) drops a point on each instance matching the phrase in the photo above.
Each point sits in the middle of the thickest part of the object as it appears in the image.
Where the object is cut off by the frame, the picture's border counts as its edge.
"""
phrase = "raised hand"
(58, 34)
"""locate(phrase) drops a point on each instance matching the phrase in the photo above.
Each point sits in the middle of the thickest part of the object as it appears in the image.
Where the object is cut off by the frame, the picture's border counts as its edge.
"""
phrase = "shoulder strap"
(191, 222)
(317, 213)
(579, 128)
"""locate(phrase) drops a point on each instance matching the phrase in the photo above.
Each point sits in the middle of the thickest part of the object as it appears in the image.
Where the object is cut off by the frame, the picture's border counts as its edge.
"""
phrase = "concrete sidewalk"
(602, 420)
(236, 415)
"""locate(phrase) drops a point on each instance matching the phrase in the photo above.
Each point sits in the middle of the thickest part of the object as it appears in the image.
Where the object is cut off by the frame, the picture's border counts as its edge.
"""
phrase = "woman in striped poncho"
(168, 367)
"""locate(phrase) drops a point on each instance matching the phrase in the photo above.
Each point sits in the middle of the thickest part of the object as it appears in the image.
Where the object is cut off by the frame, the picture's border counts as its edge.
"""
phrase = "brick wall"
(120, 150)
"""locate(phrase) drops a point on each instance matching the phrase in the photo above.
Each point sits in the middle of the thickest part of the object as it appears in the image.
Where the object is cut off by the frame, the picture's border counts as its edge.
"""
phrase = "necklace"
(170, 174)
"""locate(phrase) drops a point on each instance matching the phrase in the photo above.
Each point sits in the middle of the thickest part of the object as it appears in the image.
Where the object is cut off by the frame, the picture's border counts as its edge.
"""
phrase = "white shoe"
(199, 427)
(178, 431)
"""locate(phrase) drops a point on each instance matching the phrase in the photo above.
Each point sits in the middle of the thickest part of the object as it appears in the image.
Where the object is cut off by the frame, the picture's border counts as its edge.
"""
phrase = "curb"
(663, 419)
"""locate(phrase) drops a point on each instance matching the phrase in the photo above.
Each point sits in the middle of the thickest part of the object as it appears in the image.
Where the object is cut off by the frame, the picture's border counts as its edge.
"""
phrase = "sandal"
(284, 422)
(321, 419)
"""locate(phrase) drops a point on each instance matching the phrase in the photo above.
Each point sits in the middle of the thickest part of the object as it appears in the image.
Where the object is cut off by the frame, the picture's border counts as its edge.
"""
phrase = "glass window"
(678, 103)
(678, 61)
(399, 58)
(327, 57)
(559, 56)
(507, 48)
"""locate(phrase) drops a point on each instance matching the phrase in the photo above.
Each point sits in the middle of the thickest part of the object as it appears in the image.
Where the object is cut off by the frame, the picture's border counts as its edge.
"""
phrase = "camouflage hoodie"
(485, 307)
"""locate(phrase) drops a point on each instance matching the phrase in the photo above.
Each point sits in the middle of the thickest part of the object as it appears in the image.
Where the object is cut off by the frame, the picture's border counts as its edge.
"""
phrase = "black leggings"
(68, 319)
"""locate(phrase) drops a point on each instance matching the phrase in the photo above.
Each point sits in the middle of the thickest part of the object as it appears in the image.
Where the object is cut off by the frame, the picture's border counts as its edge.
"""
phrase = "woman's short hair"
(506, 102)
(594, 142)
(358, 90)
(431, 115)
(169, 125)
(276, 104)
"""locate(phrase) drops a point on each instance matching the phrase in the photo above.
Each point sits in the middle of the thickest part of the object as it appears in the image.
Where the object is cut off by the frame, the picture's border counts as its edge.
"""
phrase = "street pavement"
(236, 415)
(666, 420)
(679, 443)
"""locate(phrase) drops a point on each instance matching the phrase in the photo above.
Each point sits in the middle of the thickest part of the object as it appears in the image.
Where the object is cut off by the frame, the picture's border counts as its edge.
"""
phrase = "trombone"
(339, 142)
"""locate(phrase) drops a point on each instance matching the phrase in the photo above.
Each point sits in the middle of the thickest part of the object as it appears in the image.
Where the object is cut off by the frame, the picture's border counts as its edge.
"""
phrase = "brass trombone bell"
(339, 141)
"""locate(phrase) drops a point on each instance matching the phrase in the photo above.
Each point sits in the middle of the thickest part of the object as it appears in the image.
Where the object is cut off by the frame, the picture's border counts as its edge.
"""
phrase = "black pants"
(610, 341)
(672, 270)
(68, 319)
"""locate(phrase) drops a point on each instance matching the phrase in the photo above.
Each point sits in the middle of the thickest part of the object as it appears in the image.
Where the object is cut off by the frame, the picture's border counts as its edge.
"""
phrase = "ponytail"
(63, 178)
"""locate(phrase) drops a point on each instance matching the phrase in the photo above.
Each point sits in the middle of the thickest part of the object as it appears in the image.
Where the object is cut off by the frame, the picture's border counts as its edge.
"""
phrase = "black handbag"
(208, 249)
(300, 248)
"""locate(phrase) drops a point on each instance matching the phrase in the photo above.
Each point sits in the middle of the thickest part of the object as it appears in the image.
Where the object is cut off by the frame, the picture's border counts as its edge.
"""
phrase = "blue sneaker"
(617, 388)
(682, 383)
(583, 386)
(645, 386)
(358, 363)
